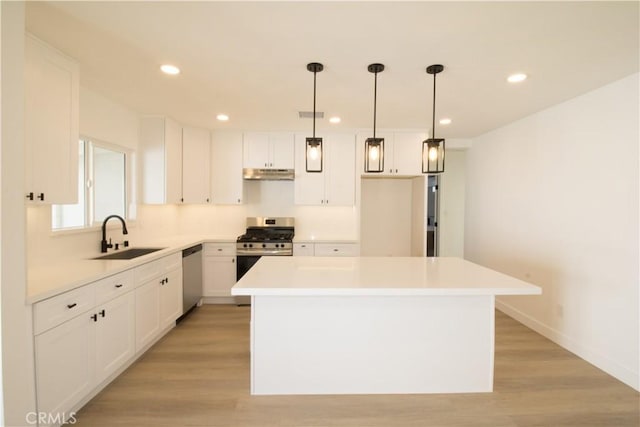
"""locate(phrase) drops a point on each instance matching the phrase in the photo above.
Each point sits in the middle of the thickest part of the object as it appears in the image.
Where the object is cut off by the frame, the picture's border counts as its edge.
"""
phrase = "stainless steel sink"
(129, 253)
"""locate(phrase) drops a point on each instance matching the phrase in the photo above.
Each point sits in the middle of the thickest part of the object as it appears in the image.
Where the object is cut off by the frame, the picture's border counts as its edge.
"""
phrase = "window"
(102, 187)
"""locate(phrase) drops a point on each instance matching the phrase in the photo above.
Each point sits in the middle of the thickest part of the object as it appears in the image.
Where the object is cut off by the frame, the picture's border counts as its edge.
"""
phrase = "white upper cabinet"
(196, 166)
(402, 153)
(51, 124)
(335, 185)
(407, 153)
(226, 168)
(160, 149)
(268, 150)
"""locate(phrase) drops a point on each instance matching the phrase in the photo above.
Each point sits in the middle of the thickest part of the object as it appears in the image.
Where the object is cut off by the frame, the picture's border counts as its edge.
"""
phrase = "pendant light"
(313, 144)
(433, 148)
(374, 147)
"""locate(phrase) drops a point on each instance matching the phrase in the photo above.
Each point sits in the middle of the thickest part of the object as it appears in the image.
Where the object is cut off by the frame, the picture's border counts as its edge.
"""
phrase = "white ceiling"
(248, 59)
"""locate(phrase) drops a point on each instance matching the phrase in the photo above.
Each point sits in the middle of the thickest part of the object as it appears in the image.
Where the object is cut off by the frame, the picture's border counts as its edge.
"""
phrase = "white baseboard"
(611, 367)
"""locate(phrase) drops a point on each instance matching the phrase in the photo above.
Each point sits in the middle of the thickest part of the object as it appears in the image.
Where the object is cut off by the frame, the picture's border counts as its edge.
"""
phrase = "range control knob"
(264, 245)
(250, 245)
(245, 245)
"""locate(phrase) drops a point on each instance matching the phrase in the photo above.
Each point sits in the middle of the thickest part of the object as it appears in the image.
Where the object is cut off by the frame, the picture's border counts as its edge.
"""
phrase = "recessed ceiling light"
(170, 69)
(445, 121)
(517, 78)
(222, 117)
(335, 119)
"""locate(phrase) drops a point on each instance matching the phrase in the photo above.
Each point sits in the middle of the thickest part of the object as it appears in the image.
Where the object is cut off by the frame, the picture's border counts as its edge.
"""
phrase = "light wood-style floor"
(198, 375)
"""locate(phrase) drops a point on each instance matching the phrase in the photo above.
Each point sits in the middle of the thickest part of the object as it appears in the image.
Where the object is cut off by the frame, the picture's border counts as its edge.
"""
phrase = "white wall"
(268, 198)
(17, 340)
(553, 199)
(451, 188)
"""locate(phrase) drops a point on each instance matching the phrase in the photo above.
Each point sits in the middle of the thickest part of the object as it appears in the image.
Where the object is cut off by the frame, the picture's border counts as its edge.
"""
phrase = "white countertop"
(44, 281)
(376, 276)
(47, 280)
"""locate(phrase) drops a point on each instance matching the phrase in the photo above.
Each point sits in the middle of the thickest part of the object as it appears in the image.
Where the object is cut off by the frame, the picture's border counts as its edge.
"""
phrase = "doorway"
(432, 215)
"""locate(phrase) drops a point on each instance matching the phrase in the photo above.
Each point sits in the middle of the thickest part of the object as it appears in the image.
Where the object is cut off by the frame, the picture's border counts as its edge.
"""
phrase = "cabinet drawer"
(56, 310)
(219, 249)
(303, 249)
(113, 286)
(172, 262)
(148, 271)
(336, 249)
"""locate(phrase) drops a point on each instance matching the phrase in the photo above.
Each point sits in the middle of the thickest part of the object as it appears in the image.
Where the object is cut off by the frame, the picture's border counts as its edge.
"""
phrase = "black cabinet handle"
(167, 280)
(95, 317)
(102, 313)
(119, 285)
(41, 196)
(30, 195)
(70, 306)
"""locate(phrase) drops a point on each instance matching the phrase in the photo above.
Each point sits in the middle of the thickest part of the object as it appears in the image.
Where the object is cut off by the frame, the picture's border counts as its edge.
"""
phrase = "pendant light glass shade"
(433, 155)
(314, 154)
(313, 144)
(374, 147)
(374, 155)
(433, 148)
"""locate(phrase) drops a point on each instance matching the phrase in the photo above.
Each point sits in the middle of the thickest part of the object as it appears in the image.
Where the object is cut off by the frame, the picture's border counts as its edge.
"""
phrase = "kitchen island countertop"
(376, 276)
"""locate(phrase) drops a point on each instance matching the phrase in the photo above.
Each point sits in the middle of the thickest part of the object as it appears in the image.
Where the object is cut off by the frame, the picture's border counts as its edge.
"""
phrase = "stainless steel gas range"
(265, 236)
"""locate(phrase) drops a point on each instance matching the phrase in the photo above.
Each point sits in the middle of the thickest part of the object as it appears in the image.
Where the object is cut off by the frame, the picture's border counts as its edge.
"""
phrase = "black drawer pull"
(70, 306)
(119, 285)
(95, 317)
(102, 313)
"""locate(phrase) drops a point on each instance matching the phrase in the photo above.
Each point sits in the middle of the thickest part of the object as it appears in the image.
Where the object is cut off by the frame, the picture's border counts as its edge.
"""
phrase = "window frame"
(90, 223)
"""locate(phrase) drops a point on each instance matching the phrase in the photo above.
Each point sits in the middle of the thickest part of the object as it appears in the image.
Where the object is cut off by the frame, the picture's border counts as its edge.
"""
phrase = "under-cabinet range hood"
(268, 174)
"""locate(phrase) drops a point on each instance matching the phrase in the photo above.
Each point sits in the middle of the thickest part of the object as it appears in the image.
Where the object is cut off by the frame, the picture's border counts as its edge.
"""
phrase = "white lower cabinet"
(158, 298)
(171, 298)
(115, 335)
(85, 336)
(147, 313)
(76, 356)
(219, 269)
(336, 249)
(326, 249)
(303, 249)
(65, 359)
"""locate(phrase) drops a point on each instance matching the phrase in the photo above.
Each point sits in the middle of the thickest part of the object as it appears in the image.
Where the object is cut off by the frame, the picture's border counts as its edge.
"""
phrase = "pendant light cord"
(375, 97)
(433, 120)
(314, 106)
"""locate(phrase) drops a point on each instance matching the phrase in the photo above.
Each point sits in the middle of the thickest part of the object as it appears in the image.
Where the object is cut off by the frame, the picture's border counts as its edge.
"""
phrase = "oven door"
(244, 263)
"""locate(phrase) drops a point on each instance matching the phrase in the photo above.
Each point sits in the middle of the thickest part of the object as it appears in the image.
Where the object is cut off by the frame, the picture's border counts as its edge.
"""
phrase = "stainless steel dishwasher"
(191, 277)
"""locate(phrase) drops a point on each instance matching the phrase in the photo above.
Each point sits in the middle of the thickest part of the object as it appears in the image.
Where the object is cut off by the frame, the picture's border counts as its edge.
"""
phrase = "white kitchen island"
(322, 325)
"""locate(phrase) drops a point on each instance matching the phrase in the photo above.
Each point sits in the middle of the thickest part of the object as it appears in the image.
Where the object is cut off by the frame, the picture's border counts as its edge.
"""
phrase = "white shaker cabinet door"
(51, 124)
(160, 160)
(196, 167)
(115, 335)
(256, 150)
(219, 275)
(340, 174)
(281, 146)
(171, 298)
(147, 313)
(226, 168)
(407, 153)
(65, 364)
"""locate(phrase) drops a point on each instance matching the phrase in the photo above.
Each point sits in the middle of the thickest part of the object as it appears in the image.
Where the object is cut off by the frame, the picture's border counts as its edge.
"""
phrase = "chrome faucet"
(106, 245)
